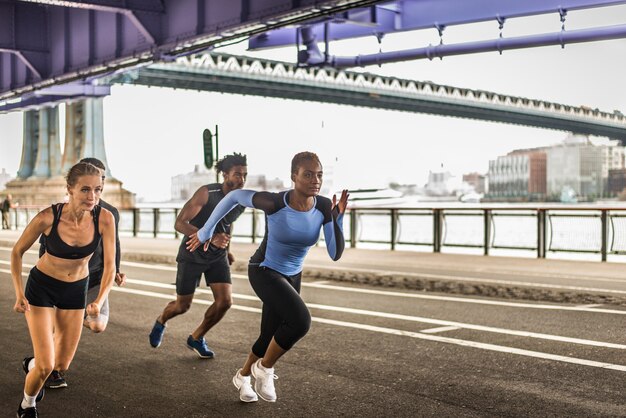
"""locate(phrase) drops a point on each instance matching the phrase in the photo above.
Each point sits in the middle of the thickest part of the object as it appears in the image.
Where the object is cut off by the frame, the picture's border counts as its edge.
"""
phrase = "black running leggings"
(285, 316)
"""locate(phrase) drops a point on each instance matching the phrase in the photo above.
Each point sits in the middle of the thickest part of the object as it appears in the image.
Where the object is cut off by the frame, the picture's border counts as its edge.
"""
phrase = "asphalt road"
(370, 353)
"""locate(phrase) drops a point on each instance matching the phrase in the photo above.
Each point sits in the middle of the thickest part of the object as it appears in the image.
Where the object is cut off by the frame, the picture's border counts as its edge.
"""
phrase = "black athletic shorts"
(48, 292)
(189, 274)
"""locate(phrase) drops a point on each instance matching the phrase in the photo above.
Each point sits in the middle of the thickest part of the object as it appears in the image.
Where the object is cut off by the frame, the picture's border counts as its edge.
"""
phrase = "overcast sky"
(153, 134)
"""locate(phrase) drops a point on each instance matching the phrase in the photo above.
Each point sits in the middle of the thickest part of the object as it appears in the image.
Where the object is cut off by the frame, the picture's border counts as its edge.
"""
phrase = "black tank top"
(200, 256)
(55, 245)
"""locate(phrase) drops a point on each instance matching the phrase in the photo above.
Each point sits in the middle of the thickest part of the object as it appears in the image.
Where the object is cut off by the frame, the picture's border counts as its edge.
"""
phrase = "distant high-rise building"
(185, 185)
(616, 181)
(578, 165)
(260, 182)
(442, 183)
(519, 175)
(612, 159)
(476, 180)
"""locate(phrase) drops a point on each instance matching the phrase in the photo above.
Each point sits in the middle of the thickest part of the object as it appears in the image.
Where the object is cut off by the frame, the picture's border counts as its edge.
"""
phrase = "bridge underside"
(315, 91)
(51, 42)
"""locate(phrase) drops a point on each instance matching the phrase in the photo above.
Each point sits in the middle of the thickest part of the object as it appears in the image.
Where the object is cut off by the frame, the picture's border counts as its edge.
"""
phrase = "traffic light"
(207, 139)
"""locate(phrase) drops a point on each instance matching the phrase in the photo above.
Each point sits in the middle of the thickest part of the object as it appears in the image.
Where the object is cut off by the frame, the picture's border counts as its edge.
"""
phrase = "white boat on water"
(367, 198)
(471, 197)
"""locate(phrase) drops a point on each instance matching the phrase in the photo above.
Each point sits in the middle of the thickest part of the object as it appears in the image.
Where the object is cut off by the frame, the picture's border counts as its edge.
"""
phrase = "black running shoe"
(55, 380)
(27, 412)
(42, 392)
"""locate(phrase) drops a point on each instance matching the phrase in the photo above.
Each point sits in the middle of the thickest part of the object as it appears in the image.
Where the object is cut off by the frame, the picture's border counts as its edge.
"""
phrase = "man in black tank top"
(213, 263)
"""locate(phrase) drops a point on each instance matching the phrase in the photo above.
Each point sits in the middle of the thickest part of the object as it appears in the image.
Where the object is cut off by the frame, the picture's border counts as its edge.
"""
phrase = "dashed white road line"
(455, 278)
(417, 335)
(321, 285)
(411, 318)
(438, 330)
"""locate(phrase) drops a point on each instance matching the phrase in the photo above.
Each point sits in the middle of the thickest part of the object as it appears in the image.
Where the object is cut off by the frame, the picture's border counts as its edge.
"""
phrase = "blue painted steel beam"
(352, 24)
(406, 15)
(55, 94)
(106, 5)
(499, 44)
(48, 42)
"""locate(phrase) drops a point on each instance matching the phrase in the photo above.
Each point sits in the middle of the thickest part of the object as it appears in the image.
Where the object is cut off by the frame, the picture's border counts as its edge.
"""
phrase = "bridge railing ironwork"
(576, 229)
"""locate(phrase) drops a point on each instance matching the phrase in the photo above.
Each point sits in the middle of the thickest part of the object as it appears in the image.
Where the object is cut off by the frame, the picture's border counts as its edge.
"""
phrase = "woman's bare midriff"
(63, 269)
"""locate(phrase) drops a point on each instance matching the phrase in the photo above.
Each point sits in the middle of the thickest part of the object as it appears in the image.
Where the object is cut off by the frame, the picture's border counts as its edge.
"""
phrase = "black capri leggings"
(285, 316)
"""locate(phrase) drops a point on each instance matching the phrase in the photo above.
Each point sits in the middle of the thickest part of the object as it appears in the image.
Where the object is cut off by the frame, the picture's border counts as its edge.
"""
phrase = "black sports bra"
(55, 245)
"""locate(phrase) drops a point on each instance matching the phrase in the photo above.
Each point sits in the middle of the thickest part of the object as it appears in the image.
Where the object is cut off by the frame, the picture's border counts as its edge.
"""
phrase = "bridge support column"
(84, 133)
(29, 144)
(42, 170)
(48, 162)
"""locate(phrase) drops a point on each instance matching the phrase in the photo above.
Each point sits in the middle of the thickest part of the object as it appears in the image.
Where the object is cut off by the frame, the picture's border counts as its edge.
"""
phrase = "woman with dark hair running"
(293, 221)
(55, 296)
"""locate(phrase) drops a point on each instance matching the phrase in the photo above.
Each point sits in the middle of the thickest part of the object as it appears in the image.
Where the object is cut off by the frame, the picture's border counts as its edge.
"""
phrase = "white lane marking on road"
(416, 319)
(149, 266)
(484, 346)
(417, 335)
(401, 294)
(439, 329)
(589, 306)
(450, 278)
(322, 285)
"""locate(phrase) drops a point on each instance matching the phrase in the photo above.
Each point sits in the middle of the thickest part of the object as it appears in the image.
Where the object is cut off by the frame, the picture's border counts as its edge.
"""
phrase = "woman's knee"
(42, 367)
(301, 324)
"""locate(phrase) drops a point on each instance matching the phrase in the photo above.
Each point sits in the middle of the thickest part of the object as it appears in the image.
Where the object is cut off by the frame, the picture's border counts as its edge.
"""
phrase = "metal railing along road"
(582, 229)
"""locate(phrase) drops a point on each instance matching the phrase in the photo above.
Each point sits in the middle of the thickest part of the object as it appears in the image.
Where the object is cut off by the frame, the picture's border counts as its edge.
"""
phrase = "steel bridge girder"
(55, 42)
(426, 14)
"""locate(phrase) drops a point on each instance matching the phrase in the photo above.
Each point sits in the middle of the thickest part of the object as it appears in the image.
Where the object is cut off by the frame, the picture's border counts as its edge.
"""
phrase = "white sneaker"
(264, 381)
(246, 393)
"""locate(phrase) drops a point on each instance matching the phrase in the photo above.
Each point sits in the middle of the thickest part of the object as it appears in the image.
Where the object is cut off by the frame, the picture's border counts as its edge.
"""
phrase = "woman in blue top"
(293, 222)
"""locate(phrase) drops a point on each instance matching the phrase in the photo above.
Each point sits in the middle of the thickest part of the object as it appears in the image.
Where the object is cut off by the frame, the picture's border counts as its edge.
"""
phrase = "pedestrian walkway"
(579, 282)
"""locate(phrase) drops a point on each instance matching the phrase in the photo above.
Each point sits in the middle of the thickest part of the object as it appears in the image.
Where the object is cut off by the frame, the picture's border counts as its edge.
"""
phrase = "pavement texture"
(549, 280)
(372, 351)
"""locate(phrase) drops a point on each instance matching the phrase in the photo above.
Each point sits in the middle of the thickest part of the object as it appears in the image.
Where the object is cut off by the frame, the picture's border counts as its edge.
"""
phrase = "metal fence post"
(487, 217)
(253, 226)
(176, 233)
(437, 218)
(394, 227)
(135, 221)
(541, 233)
(605, 233)
(352, 228)
(155, 221)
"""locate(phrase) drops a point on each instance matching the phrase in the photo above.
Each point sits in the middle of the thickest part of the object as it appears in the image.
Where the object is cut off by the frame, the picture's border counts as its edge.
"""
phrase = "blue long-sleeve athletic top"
(289, 234)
